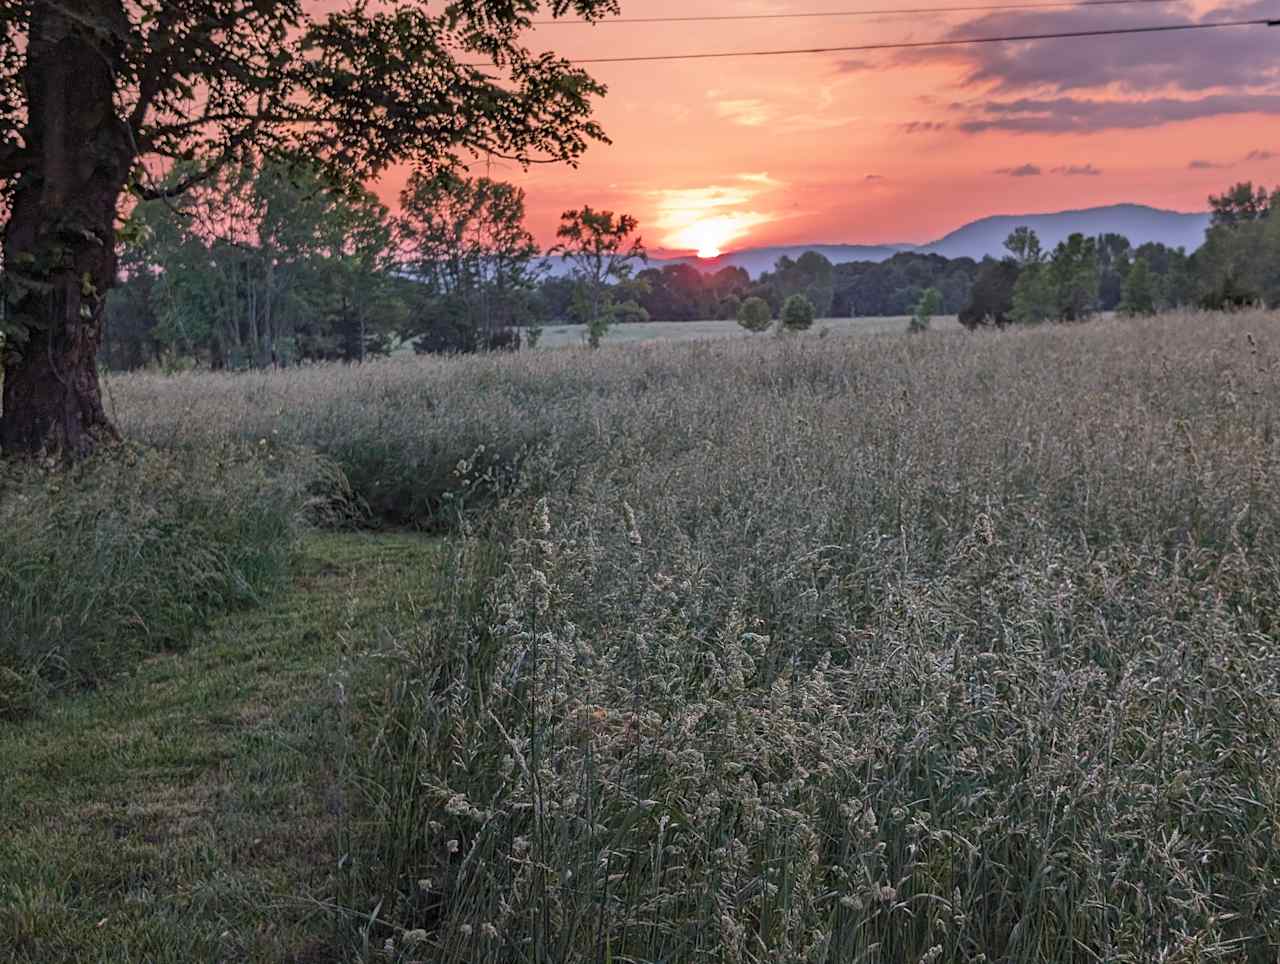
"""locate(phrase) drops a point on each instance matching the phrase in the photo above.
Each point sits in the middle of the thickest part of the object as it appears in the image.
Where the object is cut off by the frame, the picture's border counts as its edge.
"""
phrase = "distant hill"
(1137, 222)
(756, 261)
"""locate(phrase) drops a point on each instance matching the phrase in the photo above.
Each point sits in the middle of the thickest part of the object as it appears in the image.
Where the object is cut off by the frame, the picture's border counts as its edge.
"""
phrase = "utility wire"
(828, 14)
(916, 45)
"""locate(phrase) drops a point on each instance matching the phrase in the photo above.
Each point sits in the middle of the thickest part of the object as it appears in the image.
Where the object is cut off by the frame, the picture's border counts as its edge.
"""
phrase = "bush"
(754, 314)
(129, 552)
(797, 313)
(930, 304)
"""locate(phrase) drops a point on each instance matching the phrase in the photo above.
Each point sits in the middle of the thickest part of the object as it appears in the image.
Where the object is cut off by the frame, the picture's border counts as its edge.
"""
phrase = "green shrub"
(127, 553)
(797, 313)
(930, 304)
(754, 314)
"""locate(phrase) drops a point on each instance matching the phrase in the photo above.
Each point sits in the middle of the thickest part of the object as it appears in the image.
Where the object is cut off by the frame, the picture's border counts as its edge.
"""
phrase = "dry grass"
(943, 648)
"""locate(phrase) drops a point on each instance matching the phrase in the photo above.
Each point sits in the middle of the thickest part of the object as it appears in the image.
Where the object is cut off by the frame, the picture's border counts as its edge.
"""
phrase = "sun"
(708, 236)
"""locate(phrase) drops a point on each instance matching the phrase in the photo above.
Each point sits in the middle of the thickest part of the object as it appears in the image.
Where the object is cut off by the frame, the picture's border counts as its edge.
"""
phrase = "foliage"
(1115, 256)
(1238, 264)
(465, 242)
(1062, 288)
(133, 549)
(680, 292)
(930, 304)
(600, 248)
(811, 275)
(893, 287)
(259, 266)
(209, 83)
(991, 301)
(755, 314)
(1035, 299)
(1073, 274)
(1139, 291)
(797, 313)
(1023, 244)
(1241, 204)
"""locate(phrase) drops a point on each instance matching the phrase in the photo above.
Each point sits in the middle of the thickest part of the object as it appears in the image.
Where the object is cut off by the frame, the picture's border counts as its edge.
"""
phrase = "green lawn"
(194, 810)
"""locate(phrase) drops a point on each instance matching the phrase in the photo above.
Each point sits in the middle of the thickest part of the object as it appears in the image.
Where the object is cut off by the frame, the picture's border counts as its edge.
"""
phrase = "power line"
(916, 45)
(828, 14)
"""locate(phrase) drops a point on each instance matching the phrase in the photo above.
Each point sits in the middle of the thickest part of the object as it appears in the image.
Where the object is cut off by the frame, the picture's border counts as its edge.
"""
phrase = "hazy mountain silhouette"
(1137, 222)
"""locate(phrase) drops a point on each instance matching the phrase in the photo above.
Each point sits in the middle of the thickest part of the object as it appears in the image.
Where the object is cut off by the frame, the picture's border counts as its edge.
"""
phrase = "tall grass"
(128, 553)
(944, 648)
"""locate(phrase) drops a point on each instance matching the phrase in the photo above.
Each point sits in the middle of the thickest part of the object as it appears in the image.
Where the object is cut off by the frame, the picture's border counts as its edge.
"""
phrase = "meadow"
(561, 336)
(894, 649)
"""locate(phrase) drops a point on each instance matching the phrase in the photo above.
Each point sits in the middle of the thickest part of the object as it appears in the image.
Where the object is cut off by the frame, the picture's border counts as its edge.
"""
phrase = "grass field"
(560, 336)
(944, 648)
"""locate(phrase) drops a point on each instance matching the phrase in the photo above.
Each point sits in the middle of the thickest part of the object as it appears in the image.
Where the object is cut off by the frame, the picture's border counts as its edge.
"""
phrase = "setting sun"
(708, 238)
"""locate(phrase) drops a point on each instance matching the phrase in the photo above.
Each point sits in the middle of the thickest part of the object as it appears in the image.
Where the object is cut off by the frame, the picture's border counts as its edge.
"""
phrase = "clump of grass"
(930, 649)
(129, 552)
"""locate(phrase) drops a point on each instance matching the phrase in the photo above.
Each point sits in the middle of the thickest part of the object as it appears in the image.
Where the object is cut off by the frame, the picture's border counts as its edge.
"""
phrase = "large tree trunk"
(59, 242)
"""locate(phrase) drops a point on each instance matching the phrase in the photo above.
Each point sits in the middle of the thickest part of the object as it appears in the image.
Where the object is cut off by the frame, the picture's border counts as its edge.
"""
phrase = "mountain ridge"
(977, 239)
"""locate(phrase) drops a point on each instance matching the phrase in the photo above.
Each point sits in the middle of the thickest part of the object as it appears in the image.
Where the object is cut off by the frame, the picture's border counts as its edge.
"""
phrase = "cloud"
(1077, 170)
(1203, 166)
(757, 112)
(1261, 156)
(1191, 61)
(1066, 115)
(923, 127)
(1023, 170)
(712, 216)
(1083, 85)
(747, 112)
(762, 178)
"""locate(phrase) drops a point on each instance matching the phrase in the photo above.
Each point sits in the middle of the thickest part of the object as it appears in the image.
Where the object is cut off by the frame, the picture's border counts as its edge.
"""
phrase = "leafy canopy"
(354, 89)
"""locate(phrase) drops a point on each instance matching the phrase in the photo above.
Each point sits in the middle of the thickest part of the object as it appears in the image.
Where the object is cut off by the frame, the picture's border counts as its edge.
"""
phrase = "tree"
(991, 299)
(1024, 244)
(95, 93)
(1241, 204)
(755, 315)
(1139, 290)
(1035, 297)
(930, 304)
(599, 248)
(810, 275)
(264, 264)
(1073, 273)
(1114, 257)
(1237, 265)
(797, 313)
(464, 239)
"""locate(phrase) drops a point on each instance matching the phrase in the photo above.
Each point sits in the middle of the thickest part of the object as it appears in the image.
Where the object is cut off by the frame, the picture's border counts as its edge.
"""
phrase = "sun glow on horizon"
(709, 220)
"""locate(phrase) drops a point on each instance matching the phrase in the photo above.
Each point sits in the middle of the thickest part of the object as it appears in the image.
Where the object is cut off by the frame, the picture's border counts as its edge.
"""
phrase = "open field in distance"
(559, 336)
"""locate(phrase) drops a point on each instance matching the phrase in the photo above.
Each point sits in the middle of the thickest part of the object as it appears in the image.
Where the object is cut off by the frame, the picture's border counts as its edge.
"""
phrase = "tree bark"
(59, 241)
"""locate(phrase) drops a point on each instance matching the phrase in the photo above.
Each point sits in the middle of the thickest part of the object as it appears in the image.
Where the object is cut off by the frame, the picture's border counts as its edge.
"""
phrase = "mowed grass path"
(194, 810)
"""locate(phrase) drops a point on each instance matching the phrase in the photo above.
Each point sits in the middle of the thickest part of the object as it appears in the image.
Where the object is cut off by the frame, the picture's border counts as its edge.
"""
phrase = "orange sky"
(906, 147)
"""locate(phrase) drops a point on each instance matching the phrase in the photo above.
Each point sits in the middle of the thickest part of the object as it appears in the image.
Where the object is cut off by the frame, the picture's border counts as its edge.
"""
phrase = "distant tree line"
(1237, 266)
(267, 265)
(271, 265)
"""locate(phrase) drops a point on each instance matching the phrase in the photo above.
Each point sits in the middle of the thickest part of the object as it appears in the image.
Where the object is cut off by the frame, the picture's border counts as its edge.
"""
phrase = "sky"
(905, 146)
